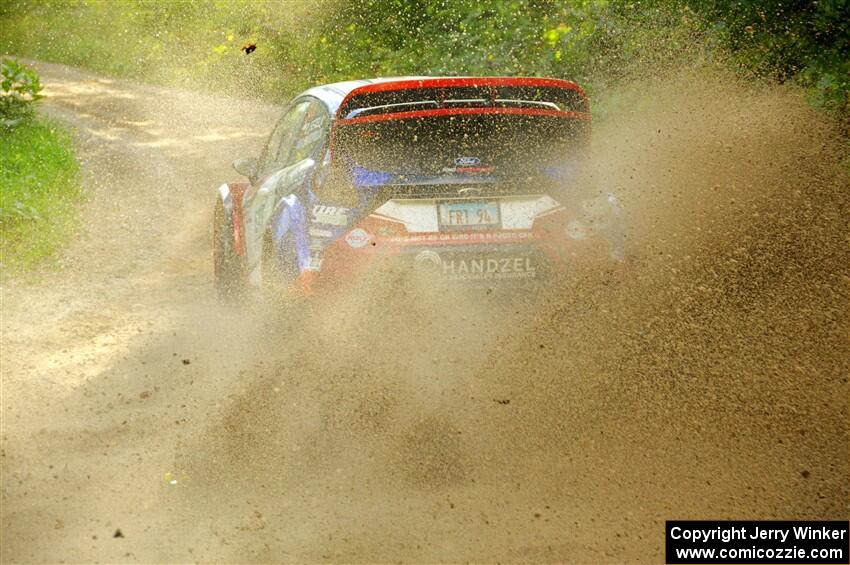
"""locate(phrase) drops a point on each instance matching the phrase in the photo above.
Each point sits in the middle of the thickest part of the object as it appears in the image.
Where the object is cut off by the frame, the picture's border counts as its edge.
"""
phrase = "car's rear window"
(503, 144)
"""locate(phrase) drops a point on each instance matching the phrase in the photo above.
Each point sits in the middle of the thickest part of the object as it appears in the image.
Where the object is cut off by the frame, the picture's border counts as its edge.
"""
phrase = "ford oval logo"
(467, 161)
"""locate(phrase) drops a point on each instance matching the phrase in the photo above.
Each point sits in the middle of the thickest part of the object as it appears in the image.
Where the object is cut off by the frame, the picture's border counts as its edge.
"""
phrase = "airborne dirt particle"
(661, 392)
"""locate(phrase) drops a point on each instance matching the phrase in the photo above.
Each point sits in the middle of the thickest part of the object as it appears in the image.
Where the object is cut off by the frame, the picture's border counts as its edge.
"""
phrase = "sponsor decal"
(484, 268)
(358, 238)
(333, 215)
(427, 259)
(454, 237)
(315, 262)
(472, 267)
(479, 169)
(315, 232)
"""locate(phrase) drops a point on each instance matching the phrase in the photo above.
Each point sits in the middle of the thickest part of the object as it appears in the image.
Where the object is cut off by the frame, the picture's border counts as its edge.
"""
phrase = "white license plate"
(463, 214)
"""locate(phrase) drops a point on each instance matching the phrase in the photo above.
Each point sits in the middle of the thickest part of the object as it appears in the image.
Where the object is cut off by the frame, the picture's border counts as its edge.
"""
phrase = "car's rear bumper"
(497, 259)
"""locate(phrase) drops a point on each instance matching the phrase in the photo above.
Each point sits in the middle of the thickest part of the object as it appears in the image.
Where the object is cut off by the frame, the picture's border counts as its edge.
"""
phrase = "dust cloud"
(406, 422)
(567, 423)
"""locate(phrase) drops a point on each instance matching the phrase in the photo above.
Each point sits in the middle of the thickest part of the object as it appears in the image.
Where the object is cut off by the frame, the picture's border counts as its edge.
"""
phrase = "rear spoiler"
(414, 98)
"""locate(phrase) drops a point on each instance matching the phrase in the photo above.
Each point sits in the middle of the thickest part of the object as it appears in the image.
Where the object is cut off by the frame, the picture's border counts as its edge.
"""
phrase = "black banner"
(703, 541)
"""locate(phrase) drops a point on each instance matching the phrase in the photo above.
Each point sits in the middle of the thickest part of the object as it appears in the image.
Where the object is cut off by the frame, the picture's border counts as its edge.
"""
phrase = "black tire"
(229, 269)
(268, 267)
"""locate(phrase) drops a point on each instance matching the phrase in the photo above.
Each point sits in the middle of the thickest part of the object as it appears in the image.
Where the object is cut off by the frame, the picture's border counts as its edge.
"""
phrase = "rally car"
(473, 181)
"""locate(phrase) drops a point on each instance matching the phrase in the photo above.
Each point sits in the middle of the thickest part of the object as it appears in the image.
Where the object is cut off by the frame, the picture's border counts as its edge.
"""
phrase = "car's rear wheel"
(229, 269)
(279, 265)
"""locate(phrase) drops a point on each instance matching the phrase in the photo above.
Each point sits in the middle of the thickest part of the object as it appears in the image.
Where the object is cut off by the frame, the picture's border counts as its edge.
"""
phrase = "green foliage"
(787, 40)
(303, 42)
(591, 41)
(19, 89)
(39, 187)
(422, 37)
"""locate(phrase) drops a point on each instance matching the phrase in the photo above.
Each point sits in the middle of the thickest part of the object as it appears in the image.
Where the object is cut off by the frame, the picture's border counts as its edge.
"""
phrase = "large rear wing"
(415, 98)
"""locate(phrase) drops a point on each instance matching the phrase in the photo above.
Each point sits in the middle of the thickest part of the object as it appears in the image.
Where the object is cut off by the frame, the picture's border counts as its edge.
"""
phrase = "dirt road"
(141, 422)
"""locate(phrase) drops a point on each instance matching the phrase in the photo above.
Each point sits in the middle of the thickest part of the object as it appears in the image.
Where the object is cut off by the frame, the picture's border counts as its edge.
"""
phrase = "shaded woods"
(273, 49)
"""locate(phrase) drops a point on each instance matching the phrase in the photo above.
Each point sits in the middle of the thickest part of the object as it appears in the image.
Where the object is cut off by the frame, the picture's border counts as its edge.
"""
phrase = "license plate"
(463, 214)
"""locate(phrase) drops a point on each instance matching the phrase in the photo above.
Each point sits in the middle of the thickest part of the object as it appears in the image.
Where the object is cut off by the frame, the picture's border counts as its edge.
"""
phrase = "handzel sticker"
(460, 267)
(488, 268)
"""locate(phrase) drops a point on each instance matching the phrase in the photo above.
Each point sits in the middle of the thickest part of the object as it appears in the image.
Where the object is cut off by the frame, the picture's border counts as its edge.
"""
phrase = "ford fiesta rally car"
(470, 180)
